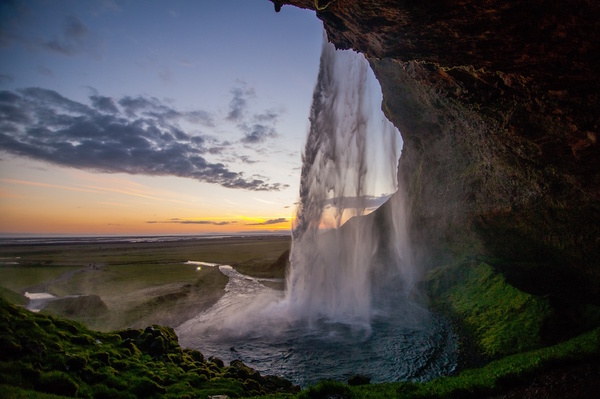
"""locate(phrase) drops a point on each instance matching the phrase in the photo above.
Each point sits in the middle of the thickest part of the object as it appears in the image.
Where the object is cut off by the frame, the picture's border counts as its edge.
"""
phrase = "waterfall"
(343, 259)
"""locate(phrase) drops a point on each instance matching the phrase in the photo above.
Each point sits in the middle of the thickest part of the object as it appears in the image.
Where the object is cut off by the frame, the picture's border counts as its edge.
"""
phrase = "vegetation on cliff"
(42, 354)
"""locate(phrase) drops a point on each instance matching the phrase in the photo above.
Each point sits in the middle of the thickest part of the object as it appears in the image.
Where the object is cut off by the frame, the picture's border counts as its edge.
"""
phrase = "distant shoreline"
(99, 239)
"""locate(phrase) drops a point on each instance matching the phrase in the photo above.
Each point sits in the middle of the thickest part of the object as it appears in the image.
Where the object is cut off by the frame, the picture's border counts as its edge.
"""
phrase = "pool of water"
(403, 341)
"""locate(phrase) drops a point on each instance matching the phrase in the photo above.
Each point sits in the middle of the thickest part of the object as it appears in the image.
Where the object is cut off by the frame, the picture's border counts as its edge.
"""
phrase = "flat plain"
(119, 284)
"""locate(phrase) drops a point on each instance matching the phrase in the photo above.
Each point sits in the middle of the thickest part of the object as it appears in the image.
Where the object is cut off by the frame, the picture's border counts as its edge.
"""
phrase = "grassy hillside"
(46, 355)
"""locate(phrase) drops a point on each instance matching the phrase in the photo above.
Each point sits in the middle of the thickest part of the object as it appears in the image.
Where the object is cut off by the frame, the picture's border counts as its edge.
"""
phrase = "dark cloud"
(239, 103)
(136, 135)
(247, 160)
(257, 133)
(104, 104)
(267, 117)
(268, 222)
(187, 221)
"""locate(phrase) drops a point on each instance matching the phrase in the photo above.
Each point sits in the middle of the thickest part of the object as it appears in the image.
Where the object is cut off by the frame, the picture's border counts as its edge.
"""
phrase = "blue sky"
(131, 117)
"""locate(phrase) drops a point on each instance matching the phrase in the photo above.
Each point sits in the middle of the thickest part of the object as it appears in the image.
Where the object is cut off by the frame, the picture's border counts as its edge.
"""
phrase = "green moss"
(502, 319)
(47, 356)
(495, 376)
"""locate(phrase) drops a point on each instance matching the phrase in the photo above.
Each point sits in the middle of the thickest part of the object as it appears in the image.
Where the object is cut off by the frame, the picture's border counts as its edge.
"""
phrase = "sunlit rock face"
(498, 106)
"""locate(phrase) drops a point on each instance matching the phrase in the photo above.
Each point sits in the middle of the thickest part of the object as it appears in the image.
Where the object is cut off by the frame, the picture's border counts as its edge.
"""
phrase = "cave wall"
(498, 106)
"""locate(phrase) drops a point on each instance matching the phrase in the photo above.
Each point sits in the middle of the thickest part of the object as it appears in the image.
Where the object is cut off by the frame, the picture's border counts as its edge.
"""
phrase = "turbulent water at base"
(249, 323)
(347, 308)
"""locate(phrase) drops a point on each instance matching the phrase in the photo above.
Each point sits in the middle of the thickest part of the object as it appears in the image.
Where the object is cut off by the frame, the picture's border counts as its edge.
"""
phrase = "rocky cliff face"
(498, 105)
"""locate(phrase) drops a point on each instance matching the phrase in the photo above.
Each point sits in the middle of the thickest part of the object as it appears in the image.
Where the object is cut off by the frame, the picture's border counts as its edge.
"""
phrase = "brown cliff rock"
(498, 106)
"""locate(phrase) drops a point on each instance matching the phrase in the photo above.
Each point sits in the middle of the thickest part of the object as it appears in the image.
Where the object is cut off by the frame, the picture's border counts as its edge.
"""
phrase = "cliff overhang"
(498, 106)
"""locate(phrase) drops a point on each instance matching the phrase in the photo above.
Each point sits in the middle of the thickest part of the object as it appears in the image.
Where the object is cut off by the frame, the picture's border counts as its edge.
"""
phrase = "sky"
(153, 117)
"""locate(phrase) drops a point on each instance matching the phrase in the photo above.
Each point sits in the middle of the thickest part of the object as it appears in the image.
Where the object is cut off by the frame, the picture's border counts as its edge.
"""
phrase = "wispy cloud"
(74, 38)
(135, 135)
(193, 221)
(256, 128)
(257, 133)
(268, 222)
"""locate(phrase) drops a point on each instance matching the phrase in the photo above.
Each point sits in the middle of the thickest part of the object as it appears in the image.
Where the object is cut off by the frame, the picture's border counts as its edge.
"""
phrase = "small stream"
(250, 323)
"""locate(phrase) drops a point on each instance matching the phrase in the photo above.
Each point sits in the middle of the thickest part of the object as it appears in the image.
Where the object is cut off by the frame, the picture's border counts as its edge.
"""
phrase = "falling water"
(347, 306)
(337, 269)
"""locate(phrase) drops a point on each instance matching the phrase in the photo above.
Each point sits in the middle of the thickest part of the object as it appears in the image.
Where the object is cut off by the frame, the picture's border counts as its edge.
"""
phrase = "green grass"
(19, 278)
(140, 283)
(12, 297)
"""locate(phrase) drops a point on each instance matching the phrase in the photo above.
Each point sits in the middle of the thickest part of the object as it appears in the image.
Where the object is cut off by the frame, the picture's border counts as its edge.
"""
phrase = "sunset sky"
(153, 117)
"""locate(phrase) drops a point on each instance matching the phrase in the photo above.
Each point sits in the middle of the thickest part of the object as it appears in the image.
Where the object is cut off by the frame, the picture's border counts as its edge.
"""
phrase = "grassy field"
(139, 283)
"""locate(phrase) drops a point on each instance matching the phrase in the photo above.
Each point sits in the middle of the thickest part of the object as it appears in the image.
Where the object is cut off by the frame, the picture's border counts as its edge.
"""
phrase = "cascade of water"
(342, 259)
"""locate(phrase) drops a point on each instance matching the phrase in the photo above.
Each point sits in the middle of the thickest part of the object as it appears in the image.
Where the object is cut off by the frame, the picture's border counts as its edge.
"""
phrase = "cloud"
(268, 222)
(256, 128)
(135, 135)
(104, 104)
(165, 76)
(239, 102)
(191, 221)
(74, 39)
(257, 133)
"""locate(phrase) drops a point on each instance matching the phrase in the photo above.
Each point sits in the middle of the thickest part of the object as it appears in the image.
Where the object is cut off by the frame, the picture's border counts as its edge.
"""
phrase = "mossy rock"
(75, 362)
(58, 383)
(144, 387)
(195, 354)
(216, 362)
(240, 371)
(102, 357)
(129, 333)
